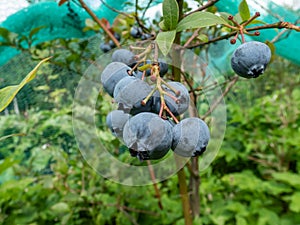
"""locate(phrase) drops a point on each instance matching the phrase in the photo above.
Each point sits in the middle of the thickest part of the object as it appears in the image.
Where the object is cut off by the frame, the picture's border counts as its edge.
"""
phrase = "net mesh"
(67, 22)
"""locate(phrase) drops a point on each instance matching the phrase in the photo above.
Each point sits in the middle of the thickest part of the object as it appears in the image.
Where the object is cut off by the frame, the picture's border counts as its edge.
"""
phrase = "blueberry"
(146, 36)
(111, 44)
(124, 56)
(136, 32)
(148, 136)
(129, 93)
(176, 108)
(250, 59)
(190, 137)
(116, 120)
(112, 74)
(164, 67)
(117, 36)
(105, 47)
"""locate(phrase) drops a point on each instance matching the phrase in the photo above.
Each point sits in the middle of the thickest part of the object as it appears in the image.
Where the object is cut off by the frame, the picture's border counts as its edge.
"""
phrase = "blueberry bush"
(148, 109)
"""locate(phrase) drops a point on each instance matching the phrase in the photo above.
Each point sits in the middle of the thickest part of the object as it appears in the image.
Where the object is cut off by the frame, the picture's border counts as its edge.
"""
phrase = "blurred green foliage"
(45, 180)
(254, 180)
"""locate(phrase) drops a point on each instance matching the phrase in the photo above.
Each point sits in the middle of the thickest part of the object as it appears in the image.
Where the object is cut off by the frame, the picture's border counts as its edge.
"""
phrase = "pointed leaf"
(12, 135)
(203, 37)
(35, 31)
(294, 205)
(170, 14)
(244, 10)
(199, 19)
(162, 25)
(165, 40)
(60, 208)
(8, 93)
(8, 35)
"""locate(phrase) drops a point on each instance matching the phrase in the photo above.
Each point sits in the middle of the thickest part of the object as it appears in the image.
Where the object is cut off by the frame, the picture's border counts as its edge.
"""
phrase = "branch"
(216, 103)
(279, 25)
(154, 184)
(208, 4)
(100, 23)
(184, 197)
(115, 10)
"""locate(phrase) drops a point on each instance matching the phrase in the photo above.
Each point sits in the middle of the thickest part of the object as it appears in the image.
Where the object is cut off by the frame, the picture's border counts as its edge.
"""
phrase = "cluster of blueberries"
(107, 46)
(138, 120)
(135, 32)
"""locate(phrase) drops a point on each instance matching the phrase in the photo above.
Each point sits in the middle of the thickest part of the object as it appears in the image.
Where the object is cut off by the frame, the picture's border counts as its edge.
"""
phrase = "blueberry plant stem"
(99, 22)
(216, 103)
(279, 25)
(181, 173)
(208, 4)
(157, 193)
(194, 186)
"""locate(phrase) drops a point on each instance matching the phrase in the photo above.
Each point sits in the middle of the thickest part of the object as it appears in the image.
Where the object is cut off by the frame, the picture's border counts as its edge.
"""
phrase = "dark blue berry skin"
(190, 137)
(129, 93)
(111, 43)
(148, 136)
(146, 36)
(163, 68)
(117, 36)
(112, 74)
(105, 47)
(136, 32)
(116, 120)
(250, 59)
(124, 56)
(175, 108)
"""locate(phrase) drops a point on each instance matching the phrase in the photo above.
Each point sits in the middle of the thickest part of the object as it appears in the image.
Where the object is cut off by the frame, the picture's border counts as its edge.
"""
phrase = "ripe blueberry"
(190, 137)
(250, 59)
(112, 74)
(148, 135)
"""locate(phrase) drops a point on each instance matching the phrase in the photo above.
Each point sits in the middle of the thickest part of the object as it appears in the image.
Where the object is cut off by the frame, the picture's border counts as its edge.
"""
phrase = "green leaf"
(60, 208)
(165, 40)
(162, 25)
(295, 202)
(170, 14)
(244, 10)
(7, 163)
(11, 135)
(7, 35)
(198, 20)
(203, 37)
(35, 31)
(287, 177)
(257, 22)
(8, 93)
(240, 220)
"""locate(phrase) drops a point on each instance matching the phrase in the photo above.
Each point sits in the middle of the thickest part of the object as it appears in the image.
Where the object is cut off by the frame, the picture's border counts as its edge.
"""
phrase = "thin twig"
(147, 7)
(131, 218)
(195, 34)
(279, 25)
(99, 22)
(216, 103)
(208, 4)
(115, 10)
(157, 193)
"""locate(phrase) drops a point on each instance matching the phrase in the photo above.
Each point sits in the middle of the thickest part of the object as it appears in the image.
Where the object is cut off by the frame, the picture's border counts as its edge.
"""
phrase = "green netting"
(287, 45)
(66, 21)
